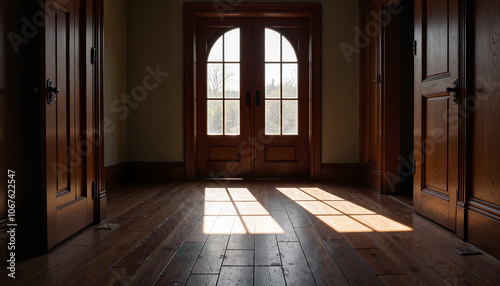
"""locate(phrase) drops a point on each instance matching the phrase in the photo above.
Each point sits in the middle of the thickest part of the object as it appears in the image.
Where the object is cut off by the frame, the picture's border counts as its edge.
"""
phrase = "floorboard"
(257, 233)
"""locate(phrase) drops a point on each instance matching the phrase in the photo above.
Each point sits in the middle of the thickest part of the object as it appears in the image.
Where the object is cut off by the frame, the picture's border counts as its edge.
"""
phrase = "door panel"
(282, 122)
(436, 115)
(68, 194)
(223, 150)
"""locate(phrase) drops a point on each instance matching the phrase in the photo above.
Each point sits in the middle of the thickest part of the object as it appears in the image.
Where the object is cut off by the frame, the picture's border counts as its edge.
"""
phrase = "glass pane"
(232, 117)
(214, 116)
(216, 52)
(273, 117)
(214, 80)
(288, 51)
(289, 80)
(273, 80)
(232, 46)
(290, 117)
(232, 80)
(272, 46)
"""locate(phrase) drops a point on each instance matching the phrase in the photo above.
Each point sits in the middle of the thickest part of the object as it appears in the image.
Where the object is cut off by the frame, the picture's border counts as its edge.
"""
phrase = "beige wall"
(155, 126)
(115, 80)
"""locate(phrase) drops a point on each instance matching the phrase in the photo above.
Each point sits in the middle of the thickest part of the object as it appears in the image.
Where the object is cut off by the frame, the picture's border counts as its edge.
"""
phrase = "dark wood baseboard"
(371, 178)
(156, 171)
(115, 174)
(340, 172)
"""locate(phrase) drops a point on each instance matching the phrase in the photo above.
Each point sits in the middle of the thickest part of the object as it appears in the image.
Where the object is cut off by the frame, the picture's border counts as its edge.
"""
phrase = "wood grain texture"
(421, 255)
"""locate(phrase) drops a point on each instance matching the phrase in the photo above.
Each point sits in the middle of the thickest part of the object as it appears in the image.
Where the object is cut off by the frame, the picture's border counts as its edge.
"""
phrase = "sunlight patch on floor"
(236, 211)
(342, 215)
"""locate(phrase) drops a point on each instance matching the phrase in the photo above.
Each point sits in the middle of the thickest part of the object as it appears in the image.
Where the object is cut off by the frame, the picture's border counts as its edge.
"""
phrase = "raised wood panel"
(485, 157)
(436, 147)
(281, 153)
(436, 38)
(483, 112)
(223, 153)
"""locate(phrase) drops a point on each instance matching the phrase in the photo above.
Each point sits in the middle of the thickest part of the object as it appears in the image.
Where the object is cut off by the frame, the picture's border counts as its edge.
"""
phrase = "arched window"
(223, 85)
(281, 95)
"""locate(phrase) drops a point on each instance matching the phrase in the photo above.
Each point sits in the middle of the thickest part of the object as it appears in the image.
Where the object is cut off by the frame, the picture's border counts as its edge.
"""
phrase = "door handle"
(52, 92)
(248, 99)
(257, 99)
(453, 91)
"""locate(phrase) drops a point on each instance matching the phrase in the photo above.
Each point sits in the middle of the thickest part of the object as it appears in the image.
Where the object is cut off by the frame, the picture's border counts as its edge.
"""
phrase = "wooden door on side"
(436, 110)
(68, 117)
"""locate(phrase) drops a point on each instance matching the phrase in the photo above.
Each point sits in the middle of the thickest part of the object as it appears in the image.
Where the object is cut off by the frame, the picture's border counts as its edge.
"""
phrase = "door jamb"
(192, 11)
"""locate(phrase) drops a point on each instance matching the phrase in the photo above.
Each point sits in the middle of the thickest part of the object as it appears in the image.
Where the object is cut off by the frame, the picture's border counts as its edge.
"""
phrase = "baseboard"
(115, 174)
(371, 178)
(156, 171)
(340, 172)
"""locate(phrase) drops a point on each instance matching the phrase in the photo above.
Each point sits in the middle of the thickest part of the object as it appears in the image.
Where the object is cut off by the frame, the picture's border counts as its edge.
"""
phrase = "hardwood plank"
(266, 250)
(212, 255)
(159, 259)
(178, 269)
(283, 220)
(324, 269)
(444, 266)
(351, 264)
(89, 267)
(297, 215)
(325, 231)
(91, 234)
(117, 277)
(205, 280)
(359, 240)
(269, 276)
(379, 262)
(230, 276)
(418, 271)
(295, 267)
(137, 257)
(238, 258)
(241, 236)
(397, 280)
(202, 229)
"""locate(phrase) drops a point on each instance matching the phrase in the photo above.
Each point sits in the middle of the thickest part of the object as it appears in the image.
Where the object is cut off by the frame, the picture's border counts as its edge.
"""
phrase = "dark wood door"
(252, 105)
(436, 110)
(281, 117)
(68, 120)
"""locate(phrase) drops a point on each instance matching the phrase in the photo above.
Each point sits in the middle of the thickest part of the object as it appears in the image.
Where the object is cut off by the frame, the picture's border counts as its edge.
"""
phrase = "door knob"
(52, 92)
(453, 91)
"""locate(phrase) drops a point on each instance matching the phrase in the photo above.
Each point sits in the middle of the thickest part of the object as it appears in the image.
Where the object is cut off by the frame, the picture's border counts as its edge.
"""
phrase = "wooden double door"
(252, 104)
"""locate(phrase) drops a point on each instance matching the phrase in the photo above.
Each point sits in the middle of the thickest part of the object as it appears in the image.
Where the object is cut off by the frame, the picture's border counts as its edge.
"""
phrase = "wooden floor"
(257, 233)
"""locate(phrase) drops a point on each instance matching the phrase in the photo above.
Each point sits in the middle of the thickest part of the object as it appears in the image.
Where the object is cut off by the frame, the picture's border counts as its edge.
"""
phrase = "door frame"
(193, 11)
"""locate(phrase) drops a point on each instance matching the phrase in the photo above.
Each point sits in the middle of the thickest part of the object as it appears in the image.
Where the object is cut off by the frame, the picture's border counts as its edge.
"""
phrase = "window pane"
(288, 51)
(214, 114)
(232, 80)
(273, 80)
(232, 117)
(272, 46)
(273, 117)
(289, 80)
(216, 52)
(214, 80)
(290, 117)
(232, 46)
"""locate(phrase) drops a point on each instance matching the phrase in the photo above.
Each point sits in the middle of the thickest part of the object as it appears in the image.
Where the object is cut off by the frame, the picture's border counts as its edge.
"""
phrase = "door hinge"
(413, 166)
(414, 48)
(93, 55)
(379, 78)
(94, 189)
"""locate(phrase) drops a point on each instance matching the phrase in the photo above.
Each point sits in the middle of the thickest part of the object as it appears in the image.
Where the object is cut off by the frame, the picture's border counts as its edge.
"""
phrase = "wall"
(115, 80)
(155, 124)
